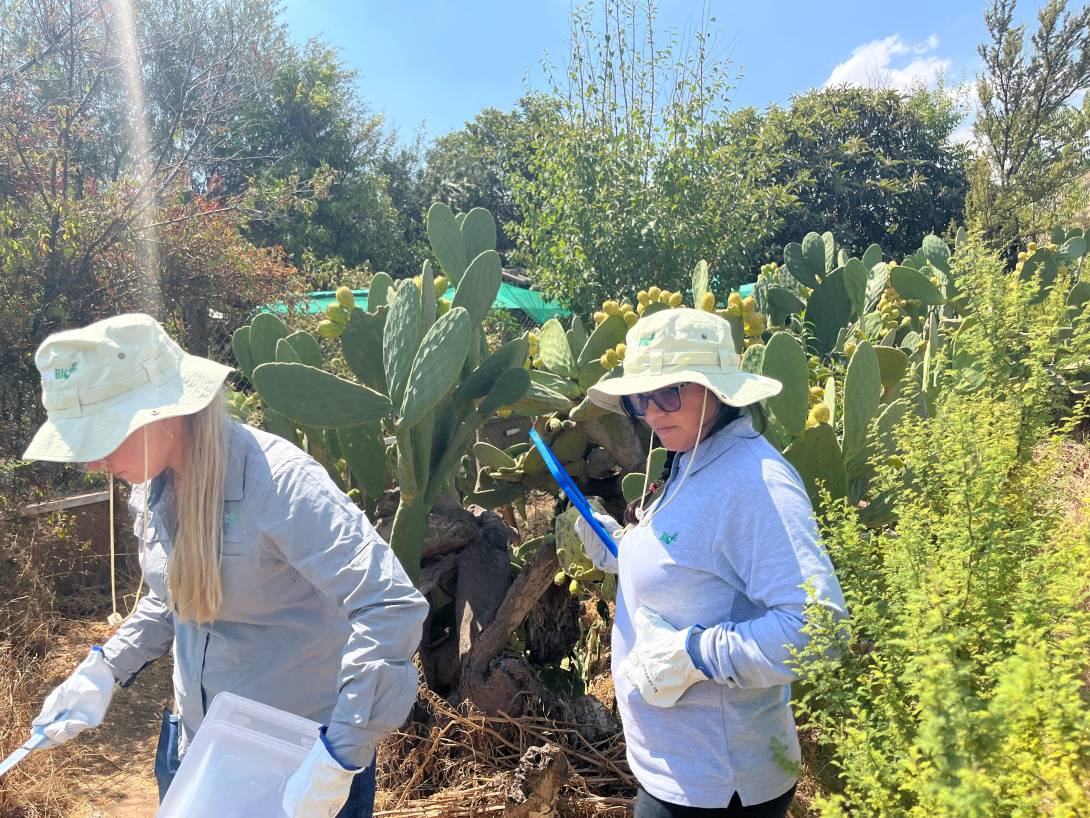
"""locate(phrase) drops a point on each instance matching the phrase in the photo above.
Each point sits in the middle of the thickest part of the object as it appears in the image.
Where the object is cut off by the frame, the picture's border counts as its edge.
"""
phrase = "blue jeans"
(361, 798)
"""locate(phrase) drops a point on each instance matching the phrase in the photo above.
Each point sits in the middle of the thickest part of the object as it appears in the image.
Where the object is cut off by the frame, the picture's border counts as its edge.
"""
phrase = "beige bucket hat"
(683, 345)
(102, 382)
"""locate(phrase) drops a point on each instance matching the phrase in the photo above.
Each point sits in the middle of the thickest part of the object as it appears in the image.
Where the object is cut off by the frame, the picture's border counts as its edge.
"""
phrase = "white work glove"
(596, 549)
(320, 787)
(85, 695)
(659, 664)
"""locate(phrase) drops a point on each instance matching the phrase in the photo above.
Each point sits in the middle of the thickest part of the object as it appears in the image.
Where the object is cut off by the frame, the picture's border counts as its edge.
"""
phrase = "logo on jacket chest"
(666, 538)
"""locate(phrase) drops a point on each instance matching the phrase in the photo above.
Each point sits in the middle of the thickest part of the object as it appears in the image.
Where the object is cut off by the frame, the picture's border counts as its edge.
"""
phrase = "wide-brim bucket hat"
(683, 345)
(102, 382)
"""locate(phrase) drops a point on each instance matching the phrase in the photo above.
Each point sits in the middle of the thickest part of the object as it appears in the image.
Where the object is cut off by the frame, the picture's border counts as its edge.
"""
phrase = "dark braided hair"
(727, 415)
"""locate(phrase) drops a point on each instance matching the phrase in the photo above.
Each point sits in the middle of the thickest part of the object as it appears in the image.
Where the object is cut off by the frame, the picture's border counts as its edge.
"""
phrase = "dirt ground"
(118, 780)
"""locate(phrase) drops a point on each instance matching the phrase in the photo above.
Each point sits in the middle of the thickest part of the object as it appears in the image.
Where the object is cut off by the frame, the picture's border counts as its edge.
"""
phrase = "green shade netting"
(509, 297)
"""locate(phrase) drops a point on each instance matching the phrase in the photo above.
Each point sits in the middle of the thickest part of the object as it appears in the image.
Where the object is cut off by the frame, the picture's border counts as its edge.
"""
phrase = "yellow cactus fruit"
(630, 318)
(620, 349)
(336, 314)
(611, 307)
(599, 317)
(816, 393)
(559, 578)
(604, 361)
(442, 307)
(441, 285)
(906, 321)
(611, 358)
(734, 300)
(749, 304)
(1032, 247)
(821, 413)
(734, 310)
(640, 308)
(754, 324)
(574, 587)
(327, 329)
(675, 300)
(346, 299)
(1022, 256)
(849, 349)
(354, 495)
(538, 363)
(653, 293)
(642, 297)
(707, 302)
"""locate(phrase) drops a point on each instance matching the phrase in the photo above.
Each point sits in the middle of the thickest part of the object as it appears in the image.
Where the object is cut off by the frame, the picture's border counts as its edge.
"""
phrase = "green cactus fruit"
(336, 313)
(574, 587)
(559, 578)
(355, 496)
(313, 397)
(478, 286)
(346, 298)
(401, 339)
(446, 241)
(436, 366)
(327, 329)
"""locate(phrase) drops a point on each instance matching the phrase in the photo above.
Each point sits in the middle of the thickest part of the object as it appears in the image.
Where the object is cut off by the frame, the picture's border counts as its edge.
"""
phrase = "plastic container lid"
(574, 495)
(239, 761)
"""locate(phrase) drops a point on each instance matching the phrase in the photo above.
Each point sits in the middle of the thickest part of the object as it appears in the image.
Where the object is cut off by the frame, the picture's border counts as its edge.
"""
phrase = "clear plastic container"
(239, 761)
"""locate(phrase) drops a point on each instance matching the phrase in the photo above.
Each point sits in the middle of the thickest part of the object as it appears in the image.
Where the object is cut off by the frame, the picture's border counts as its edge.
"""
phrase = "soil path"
(119, 781)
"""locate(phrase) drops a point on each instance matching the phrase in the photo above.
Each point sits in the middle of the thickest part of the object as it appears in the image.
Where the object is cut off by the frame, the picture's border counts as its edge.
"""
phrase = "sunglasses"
(667, 399)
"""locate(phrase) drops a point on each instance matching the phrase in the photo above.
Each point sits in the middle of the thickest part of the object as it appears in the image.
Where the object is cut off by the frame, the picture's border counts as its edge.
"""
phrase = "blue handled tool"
(574, 495)
(36, 740)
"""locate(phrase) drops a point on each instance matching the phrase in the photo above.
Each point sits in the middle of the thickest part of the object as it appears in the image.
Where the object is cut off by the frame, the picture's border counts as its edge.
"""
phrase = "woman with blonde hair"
(264, 578)
(714, 577)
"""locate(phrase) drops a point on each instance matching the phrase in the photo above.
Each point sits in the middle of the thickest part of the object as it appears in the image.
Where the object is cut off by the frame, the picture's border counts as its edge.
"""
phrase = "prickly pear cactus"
(575, 567)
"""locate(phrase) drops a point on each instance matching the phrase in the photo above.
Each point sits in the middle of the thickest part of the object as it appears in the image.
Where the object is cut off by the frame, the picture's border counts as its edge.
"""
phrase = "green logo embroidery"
(667, 539)
(646, 340)
(64, 374)
(229, 517)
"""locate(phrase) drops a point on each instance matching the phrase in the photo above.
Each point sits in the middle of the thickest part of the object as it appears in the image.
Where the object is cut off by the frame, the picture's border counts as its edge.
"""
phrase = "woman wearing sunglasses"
(264, 579)
(713, 579)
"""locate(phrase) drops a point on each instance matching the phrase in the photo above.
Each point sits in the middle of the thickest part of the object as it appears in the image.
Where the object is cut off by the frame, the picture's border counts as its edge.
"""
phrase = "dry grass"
(455, 761)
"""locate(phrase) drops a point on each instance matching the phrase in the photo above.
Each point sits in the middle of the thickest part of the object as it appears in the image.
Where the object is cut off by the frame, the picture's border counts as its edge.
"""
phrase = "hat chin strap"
(115, 618)
(664, 500)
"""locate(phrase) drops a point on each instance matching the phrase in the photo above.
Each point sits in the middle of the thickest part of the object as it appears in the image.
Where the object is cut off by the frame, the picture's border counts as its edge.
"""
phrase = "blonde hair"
(196, 589)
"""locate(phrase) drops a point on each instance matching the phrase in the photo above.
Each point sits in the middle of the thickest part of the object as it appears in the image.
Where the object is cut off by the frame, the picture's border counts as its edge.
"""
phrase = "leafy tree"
(1035, 140)
(312, 134)
(872, 166)
(635, 177)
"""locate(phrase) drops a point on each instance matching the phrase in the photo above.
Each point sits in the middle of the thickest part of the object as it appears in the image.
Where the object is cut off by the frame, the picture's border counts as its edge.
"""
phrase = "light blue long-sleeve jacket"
(731, 552)
(319, 618)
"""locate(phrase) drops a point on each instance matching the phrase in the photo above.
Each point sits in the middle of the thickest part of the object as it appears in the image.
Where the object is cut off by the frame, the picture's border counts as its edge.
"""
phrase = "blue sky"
(435, 63)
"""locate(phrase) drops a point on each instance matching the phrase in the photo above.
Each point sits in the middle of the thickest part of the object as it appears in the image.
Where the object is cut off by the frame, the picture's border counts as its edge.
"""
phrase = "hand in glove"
(85, 695)
(596, 550)
(659, 664)
(320, 787)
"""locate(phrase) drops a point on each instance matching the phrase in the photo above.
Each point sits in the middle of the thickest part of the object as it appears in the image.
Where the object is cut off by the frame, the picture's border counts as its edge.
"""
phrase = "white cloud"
(876, 64)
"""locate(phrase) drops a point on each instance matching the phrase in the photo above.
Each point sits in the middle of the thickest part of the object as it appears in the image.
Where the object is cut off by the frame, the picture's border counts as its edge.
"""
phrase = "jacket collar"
(710, 449)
